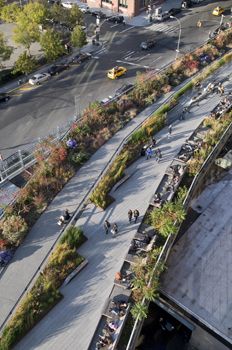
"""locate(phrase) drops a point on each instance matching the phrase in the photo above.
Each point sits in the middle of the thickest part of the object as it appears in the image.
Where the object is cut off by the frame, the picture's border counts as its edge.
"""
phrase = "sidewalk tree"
(5, 50)
(51, 45)
(78, 37)
(75, 16)
(9, 13)
(25, 64)
(35, 12)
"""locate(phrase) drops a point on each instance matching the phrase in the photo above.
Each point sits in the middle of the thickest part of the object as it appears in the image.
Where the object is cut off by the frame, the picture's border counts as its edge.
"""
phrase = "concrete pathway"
(71, 324)
(28, 257)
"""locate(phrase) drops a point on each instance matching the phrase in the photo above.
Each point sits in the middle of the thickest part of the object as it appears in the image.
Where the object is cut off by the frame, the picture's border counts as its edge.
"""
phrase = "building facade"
(125, 7)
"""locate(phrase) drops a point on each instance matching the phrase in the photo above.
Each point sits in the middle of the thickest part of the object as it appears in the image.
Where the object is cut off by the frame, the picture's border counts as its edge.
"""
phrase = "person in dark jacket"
(130, 214)
(136, 215)
(106, 226)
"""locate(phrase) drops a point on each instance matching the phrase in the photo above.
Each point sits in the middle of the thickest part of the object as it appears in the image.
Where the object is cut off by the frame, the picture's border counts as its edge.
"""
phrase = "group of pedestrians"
(113, 228)
(132, 214)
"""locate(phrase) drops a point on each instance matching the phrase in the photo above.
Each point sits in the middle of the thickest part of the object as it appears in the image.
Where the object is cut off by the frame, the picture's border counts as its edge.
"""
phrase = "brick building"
(127, 7)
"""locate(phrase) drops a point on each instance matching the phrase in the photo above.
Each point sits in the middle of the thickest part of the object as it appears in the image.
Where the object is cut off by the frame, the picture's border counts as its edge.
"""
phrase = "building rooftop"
(199, 274)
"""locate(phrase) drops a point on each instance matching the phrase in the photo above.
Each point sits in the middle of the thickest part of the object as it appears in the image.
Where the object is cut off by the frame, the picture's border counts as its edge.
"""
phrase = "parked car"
(116, 19)
(174, 11)
(186, 4)
(4, 97)
(81, 57)
(84, 8)
(67, 5)
(163, 16)
(39, 78)
(116, 72)
(99, 14)
(56, 69)
(218, 11)
(146, 45)
(123, 88)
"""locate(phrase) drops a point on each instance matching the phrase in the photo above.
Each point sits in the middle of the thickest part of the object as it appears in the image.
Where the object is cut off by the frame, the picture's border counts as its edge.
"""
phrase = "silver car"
(39, 78)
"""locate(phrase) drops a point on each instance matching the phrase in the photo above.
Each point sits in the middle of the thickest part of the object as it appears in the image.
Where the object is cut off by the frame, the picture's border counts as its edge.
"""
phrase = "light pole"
(178, 43)
(222, 16)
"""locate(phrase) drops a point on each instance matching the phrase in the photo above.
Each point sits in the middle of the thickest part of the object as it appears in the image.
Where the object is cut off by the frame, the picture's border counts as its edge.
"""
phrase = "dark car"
(116, 19)
(4, 97)
(146, 45)
(123, 88)
(174, 11)
(98, 14)
(81, 57)
(56, 69)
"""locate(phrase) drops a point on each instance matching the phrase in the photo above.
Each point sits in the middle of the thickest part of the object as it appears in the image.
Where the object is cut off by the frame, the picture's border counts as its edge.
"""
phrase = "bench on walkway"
(120, 182)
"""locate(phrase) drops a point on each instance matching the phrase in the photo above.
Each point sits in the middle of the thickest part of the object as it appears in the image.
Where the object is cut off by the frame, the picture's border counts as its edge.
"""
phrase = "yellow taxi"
(218, 11)
(116, 72)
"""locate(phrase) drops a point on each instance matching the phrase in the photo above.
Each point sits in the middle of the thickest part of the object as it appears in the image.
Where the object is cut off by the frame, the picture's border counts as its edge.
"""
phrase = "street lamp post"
(222, 16)
(178, 43)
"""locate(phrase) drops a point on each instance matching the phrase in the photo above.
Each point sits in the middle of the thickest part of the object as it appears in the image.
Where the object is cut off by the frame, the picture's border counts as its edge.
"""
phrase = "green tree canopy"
(75, 16)
(9, 13)
(78, 37)
(25, 64)
(51, 44)
(35, 12)
(26, 32)
(5, 50)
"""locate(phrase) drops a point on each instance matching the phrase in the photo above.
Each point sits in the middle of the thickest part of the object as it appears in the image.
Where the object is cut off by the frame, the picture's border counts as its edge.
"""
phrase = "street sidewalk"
(71, 324)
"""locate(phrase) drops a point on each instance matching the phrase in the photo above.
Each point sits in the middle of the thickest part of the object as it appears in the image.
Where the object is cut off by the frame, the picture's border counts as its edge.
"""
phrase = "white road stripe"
(126, 30)
(133, 64)
(114, 25)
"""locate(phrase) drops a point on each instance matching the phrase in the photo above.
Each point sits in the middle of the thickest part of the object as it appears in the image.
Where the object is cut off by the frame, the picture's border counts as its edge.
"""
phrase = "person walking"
(136, 215)
(169, 131)
(159, 155)
(106, 226)
(114, 229)
(148, 152)
(130, 214)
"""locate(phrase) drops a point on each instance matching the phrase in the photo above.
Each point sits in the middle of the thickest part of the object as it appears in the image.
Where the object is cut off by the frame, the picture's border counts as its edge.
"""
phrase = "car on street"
(81, 57)
(56, 69)
(84, 8)
(146, 45)
(218, 11)
(174, 11)
(116, 19)
(39, 78)
(163, 16)
(67, 5)
(4, 97)
(124, 88)
(98, 14)
(116, 72)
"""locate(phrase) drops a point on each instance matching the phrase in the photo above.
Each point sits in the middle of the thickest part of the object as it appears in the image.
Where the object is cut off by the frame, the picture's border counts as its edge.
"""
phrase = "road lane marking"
(133, 64)
(114, 25)
(126, 30)
(156, 59)
(142, 58)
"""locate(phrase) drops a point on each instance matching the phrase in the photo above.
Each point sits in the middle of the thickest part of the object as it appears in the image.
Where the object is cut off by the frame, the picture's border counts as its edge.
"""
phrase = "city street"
(38, 112)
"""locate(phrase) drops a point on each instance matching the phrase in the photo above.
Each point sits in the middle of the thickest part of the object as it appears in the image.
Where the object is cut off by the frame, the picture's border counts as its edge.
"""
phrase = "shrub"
(166, 219)
(13, 229)
(74, 236)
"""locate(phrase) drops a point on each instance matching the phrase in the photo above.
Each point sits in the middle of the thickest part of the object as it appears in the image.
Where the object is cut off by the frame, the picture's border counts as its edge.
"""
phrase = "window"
(123, 3)
(108, 1)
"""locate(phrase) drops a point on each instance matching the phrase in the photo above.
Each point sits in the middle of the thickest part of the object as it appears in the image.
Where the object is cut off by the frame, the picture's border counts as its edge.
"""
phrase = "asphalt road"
(38, 112)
